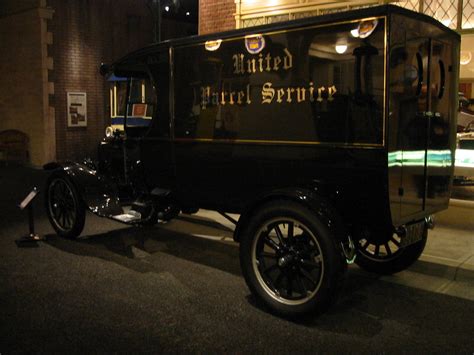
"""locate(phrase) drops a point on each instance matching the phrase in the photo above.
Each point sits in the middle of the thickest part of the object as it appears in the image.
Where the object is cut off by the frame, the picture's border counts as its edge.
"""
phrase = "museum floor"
(178, 288)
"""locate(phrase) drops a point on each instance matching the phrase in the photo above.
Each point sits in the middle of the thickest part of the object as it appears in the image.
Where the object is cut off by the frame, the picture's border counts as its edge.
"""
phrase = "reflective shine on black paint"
(360, 128)
(423, 106)
(297, 89)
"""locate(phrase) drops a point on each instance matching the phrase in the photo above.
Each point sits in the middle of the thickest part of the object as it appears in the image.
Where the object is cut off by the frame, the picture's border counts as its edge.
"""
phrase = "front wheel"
(387, 256)
(289, 259)
(64, 206)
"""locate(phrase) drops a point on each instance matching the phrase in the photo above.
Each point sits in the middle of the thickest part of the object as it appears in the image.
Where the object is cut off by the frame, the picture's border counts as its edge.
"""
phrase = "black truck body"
(349, 117)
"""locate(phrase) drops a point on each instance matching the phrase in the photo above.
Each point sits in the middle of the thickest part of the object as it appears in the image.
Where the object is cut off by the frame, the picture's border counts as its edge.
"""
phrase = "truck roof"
(315, 20)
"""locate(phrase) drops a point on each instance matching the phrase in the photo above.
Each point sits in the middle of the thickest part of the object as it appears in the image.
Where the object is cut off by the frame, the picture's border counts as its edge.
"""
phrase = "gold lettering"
(251, 66)
(238, 63)
(268, 93)
(240, 95)
(320, 93)
(280, 94)
(331, 91)
(300, 94)
(268, 58)
(287, 60)
(289, 91)
(276, 63)
(264, 62)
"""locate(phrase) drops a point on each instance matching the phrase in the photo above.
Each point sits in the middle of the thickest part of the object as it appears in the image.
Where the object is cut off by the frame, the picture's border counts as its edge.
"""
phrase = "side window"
(408, 92)
(120, 92)
(141, 104)
(149, 97)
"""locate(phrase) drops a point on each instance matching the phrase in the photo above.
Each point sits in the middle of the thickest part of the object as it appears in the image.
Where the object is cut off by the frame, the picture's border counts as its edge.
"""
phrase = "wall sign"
(76, 109)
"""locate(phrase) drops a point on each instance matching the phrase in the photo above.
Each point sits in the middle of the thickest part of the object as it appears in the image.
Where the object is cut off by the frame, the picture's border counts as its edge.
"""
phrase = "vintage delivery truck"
(331, 136)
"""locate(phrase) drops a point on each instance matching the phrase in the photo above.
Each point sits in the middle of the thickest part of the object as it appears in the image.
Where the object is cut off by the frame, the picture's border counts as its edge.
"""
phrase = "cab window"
(140, 105)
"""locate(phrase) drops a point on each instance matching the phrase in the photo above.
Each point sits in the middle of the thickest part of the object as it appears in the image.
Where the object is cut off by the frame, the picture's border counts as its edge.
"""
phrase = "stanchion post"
(31, 221)
(31, 239)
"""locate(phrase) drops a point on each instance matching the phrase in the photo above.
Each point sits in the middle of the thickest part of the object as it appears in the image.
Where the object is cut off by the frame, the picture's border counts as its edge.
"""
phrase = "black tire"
(64, 206)
(387, 257)
(307, 259)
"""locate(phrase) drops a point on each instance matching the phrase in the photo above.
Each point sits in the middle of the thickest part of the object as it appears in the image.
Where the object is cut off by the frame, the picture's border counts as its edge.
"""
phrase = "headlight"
(109, 132)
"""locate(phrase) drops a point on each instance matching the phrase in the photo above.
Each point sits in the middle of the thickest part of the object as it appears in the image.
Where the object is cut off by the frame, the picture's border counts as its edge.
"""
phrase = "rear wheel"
(289, 259)
(64, 206)
(387, 256)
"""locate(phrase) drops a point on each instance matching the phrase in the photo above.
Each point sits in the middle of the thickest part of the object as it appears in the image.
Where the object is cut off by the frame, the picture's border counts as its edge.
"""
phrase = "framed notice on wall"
(76, 109)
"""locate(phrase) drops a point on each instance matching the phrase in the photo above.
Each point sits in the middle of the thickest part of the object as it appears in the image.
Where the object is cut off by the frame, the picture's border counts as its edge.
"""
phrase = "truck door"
(425, 125)
(156, 149)
(439, 158)
(413, 108)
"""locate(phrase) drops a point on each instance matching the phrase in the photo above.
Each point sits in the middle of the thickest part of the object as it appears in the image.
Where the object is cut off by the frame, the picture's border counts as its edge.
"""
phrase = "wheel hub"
(289, 257)
(286, 260)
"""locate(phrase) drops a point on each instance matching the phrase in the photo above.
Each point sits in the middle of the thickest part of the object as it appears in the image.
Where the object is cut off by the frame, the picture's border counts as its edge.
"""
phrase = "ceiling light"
(167, 8)
(355, 32)
(465, 57)
(187, 13)
(341, 48)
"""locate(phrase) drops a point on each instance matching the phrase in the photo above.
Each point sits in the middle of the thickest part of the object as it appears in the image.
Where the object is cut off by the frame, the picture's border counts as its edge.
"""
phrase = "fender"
(322, 207)
(100, 196)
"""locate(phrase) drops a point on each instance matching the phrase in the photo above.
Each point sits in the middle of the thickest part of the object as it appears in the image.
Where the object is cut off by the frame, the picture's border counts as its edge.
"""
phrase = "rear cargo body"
(279, 107)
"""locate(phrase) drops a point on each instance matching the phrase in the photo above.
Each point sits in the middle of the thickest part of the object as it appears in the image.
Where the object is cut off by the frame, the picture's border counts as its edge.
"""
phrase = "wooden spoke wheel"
(388, 256)
(289, 259)
(64, 206)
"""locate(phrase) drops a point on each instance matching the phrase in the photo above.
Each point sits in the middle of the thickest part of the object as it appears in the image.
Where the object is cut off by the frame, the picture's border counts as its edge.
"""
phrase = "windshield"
(140, 106)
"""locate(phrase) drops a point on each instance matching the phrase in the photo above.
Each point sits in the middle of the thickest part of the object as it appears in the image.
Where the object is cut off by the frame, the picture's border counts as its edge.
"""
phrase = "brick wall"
(85, 34)
(9, 7)
(50, 47)
(216, 16)
(23, 72)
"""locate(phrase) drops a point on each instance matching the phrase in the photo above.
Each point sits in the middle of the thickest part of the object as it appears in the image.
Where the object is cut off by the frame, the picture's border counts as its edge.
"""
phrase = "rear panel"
(422, 104)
